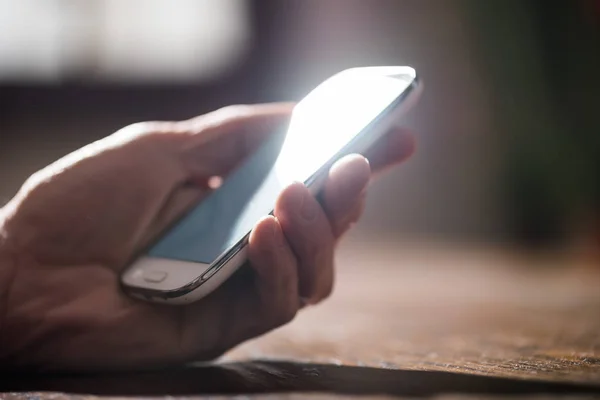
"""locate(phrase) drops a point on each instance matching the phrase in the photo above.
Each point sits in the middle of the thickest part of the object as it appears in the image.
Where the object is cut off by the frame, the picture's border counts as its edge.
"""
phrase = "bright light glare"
(322, 124)
(329, 117)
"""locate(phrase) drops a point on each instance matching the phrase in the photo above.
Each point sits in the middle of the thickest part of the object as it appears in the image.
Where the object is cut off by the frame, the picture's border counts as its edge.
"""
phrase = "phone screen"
(322, 124)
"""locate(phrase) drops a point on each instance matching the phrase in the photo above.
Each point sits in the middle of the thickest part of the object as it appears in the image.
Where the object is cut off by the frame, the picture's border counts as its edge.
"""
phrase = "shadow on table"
(279, 377)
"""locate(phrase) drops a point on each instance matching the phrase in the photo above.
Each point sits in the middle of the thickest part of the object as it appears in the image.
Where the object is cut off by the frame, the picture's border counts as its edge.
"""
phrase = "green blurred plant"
(543, 64)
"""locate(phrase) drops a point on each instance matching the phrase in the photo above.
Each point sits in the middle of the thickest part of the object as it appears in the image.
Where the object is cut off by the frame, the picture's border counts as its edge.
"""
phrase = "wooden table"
(405, 320)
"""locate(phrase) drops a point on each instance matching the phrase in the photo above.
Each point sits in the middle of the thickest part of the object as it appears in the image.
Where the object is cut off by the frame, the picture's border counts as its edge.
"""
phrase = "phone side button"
(154, 276)
(209, 273)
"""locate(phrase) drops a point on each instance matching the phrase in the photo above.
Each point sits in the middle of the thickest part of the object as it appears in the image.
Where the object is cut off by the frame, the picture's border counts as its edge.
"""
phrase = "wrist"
(7, 273)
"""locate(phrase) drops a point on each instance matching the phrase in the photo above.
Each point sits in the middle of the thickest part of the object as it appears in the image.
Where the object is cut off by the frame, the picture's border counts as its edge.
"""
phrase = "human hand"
(73, 226)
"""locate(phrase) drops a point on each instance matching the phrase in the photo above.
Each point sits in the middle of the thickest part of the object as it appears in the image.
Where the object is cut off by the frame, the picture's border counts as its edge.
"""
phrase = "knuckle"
(156, 135)
(152, 133)
(134, 131)
(237, 109)
(231, 109)
(227, 113)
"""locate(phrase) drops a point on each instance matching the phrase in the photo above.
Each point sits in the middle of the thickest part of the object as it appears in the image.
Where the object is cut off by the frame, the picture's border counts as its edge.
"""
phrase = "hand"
(70, 230)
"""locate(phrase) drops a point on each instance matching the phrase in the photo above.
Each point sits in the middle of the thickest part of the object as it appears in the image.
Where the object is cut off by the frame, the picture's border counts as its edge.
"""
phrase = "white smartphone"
(345, 114)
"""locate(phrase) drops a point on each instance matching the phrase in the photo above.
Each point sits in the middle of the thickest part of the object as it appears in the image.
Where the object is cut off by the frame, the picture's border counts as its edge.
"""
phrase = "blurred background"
(508, 126)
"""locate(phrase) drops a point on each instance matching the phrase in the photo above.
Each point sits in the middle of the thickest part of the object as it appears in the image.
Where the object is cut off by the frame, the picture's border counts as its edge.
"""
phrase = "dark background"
(508, 128)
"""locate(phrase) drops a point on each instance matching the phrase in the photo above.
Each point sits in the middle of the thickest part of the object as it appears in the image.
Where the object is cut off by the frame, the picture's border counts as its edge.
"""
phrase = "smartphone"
(345, 114)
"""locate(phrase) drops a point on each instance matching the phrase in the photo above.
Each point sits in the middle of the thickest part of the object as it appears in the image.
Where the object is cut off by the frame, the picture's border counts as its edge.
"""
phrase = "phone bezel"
(312, 183)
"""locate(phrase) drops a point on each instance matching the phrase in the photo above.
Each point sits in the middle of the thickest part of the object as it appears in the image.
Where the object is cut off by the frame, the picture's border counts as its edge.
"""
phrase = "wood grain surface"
(405, 320)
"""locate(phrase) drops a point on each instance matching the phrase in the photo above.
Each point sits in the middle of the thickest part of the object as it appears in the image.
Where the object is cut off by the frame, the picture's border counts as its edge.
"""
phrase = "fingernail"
(308, 208)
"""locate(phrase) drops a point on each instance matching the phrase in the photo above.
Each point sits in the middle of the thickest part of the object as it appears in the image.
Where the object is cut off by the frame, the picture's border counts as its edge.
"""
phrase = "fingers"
(292, 253)
(276, 271)
(253, 301)
(217, 142)
(395, 147)
(205, 146)
(291, 256)
(309, 235)
(344, 192)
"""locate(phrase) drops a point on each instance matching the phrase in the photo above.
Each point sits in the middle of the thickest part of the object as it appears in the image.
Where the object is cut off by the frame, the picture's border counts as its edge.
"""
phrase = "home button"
(154, 276)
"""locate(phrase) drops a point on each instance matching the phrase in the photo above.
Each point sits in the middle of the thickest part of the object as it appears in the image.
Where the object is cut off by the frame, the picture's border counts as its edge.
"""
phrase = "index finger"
(215, 143)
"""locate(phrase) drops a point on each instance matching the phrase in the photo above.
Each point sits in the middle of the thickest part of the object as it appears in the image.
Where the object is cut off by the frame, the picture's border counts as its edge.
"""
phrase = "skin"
(74, 226)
